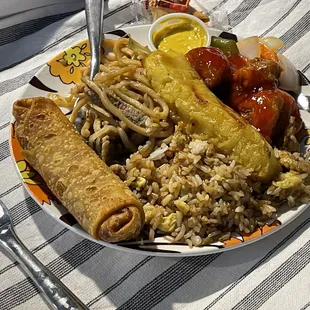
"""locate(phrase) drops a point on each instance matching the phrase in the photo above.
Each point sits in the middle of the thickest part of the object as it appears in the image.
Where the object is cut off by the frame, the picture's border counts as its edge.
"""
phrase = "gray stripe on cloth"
(120, 281)
(242, 11)
(50, 240)
(69, 35)
(306, 306)
(300, 28)
(284, 16)
(306, 68)
(172, 279)
(218, 6)
(22, 291)
(5, 124)
(128, 23)
(260, 262)
(35, 250)
(16, 32)
(4, 150)
(23, 210)
(12, 84)
(10, 190)
(46, 48)
(275, 281)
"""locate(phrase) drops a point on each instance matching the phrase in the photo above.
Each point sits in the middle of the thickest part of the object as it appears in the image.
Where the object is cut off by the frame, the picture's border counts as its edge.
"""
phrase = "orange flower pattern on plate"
(31, 178)
(67, 65)
(260, 231)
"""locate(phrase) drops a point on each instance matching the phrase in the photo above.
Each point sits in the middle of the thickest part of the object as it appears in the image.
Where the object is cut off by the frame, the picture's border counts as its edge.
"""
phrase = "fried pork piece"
(256, 97)
(211, 64)
(258, 73)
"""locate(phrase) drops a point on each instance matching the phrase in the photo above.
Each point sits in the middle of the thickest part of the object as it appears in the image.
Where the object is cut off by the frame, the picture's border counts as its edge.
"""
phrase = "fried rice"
(193, 194)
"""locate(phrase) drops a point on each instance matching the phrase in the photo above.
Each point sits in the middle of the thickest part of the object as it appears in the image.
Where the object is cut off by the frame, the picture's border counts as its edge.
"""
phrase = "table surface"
(272, 273)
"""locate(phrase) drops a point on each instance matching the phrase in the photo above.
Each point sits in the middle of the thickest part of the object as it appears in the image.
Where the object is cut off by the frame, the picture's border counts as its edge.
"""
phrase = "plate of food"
(177, 147)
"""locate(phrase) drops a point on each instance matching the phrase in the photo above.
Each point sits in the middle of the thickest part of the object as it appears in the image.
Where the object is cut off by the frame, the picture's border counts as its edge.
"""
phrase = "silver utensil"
(94, 20)
(57, 295)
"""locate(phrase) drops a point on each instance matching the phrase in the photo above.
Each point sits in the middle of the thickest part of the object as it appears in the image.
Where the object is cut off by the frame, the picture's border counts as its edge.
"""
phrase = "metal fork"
(57, 295)
(94, 20)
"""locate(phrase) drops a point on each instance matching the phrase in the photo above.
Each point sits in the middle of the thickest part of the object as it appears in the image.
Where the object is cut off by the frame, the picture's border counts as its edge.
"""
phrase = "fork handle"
(94, 20)
(57, 295)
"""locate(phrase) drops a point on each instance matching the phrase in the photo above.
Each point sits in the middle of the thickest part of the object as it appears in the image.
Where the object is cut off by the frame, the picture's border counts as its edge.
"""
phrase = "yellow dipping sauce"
(180, 36)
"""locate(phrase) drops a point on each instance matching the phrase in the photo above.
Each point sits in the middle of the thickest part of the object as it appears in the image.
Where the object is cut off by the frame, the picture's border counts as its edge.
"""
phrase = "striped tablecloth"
(270, 274)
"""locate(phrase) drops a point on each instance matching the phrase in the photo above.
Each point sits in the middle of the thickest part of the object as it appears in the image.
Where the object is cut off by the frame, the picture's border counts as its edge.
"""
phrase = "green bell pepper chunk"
(228, 47)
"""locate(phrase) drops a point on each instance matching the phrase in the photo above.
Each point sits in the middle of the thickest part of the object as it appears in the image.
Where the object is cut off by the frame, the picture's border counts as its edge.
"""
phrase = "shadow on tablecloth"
(131, 281)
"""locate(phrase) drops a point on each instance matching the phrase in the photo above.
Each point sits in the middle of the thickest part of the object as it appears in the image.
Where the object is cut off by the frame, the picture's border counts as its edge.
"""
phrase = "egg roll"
(101, 203)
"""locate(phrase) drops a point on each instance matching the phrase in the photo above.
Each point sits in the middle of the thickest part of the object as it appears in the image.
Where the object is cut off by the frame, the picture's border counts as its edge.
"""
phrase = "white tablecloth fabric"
(270, 274)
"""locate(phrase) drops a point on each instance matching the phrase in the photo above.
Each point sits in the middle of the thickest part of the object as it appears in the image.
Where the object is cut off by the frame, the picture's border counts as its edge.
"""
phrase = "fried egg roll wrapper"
(85, 185)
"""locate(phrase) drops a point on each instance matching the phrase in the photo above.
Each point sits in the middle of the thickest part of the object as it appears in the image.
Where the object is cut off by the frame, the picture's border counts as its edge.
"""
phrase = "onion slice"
(249, 47)
(273, 43)
(289, 78)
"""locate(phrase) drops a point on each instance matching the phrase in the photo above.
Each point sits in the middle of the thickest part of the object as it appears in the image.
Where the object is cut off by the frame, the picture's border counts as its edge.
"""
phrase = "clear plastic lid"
(147, 11)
